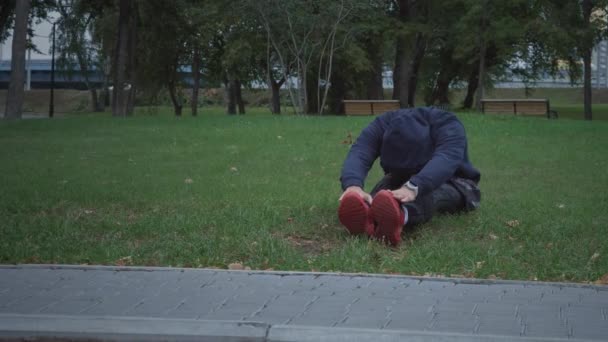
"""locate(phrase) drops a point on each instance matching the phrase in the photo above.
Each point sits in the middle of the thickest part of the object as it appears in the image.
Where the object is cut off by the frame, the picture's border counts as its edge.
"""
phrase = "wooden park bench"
(535, 107)
(369, 107)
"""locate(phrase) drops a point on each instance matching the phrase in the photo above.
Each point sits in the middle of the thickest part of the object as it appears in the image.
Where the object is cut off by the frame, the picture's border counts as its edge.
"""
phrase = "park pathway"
(142, 303)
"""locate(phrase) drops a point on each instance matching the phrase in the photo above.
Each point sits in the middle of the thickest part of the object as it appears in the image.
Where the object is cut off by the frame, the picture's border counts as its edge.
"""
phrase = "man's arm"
(450, 146)
(362, 154)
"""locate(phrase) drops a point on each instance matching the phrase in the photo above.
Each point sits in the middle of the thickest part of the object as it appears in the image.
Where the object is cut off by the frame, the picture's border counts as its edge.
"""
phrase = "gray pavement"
(130, 303)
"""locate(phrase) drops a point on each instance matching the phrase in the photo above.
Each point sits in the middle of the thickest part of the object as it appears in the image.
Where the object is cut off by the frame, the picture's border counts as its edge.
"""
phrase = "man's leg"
(451, 197)
(419, 211)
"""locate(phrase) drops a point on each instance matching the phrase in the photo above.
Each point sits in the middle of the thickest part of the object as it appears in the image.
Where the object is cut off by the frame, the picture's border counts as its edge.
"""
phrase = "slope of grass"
(262, 190)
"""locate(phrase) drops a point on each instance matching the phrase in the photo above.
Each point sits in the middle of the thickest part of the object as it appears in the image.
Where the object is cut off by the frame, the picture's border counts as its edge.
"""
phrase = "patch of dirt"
(308, 246)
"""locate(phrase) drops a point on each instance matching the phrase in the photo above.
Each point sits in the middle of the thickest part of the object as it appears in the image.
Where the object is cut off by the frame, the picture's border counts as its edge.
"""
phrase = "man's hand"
(404, 195)
(366, 197)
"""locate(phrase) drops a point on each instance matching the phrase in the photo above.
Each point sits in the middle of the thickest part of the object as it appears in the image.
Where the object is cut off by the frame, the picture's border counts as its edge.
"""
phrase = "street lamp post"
(52, 102)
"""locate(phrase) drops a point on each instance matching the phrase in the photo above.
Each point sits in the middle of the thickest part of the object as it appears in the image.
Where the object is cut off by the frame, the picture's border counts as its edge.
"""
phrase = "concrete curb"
(75, 328)
(300, 273)
(282, 333)
(127, 329)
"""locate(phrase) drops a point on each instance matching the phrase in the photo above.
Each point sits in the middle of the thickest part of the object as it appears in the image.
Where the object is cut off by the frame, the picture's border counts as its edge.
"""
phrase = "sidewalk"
(131, 303)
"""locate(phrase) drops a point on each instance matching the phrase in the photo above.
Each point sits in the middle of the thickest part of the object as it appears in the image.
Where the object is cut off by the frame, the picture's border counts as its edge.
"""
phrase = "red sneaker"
(354, 213)
(389, 216)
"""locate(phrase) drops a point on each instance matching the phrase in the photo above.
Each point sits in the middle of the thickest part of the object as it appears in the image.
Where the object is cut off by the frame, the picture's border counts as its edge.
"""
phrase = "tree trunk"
(311, 102)
(415, 68)
(482, 57)
(337, 93)
(14, 97)
(397, 70)
(587, 9)
(132, 63)
(473, 82)
(587, 84)
(175, 99)
(405, 73)
(230, 97)
(239, 96)
(481, 76)
(120, 96)
(374, 90)
(399, 51)
(95, 107)
(409, 53)
(196, 80)
(447, 72)
(275, 102)
(304, 90)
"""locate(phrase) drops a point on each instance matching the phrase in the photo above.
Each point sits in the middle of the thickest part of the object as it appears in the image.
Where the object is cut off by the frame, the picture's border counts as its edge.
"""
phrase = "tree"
(303, 35)
(14, 98)
(411, 19)
(122, 64)
(76, 45)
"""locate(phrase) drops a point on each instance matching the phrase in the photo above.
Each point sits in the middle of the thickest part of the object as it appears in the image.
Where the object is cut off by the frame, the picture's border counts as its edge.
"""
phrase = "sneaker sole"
(387, 214)
(354, 214)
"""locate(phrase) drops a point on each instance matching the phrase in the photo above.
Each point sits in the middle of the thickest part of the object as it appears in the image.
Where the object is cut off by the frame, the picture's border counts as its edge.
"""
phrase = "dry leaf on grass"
(512, 223)
(479, 264)
(603, 280)
(493, 237)
(124, 261)
(188, 181)
(561, 206)
(236, 266)
(594, 257)
(234, 169)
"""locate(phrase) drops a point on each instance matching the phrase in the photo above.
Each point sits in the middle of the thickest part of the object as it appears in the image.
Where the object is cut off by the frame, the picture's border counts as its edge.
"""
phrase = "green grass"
(262, 190)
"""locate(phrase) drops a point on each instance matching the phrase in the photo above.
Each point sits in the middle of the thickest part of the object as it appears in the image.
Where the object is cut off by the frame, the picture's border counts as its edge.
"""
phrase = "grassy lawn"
(262, 191)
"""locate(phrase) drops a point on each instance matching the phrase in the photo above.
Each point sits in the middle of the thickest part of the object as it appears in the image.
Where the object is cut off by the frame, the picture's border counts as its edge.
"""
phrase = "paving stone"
(115, 305)
(453, 322)
(32, 304)
(71, 306)
(499, 325)
(196, 307)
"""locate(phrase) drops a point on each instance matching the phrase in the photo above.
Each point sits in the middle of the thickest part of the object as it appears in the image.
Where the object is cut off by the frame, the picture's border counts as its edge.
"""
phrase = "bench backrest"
(369, 107)
(516, 106)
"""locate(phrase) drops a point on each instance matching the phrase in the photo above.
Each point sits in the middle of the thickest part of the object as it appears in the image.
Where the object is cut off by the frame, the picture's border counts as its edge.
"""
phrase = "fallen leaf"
(348, 140)
(124, 261)
(513, 223)
(479, 264)
(236, 266)
(188, 181)
(561, 206)
(88, 211)
(290, 219)
(603, 280)
(493, 237)
(594, 256)
(234, 169)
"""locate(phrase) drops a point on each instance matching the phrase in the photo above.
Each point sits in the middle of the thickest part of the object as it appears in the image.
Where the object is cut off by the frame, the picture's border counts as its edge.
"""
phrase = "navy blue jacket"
(427, 143)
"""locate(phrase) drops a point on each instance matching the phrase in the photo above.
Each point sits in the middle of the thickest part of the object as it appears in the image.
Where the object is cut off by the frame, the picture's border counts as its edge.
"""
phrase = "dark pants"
(456, 195)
